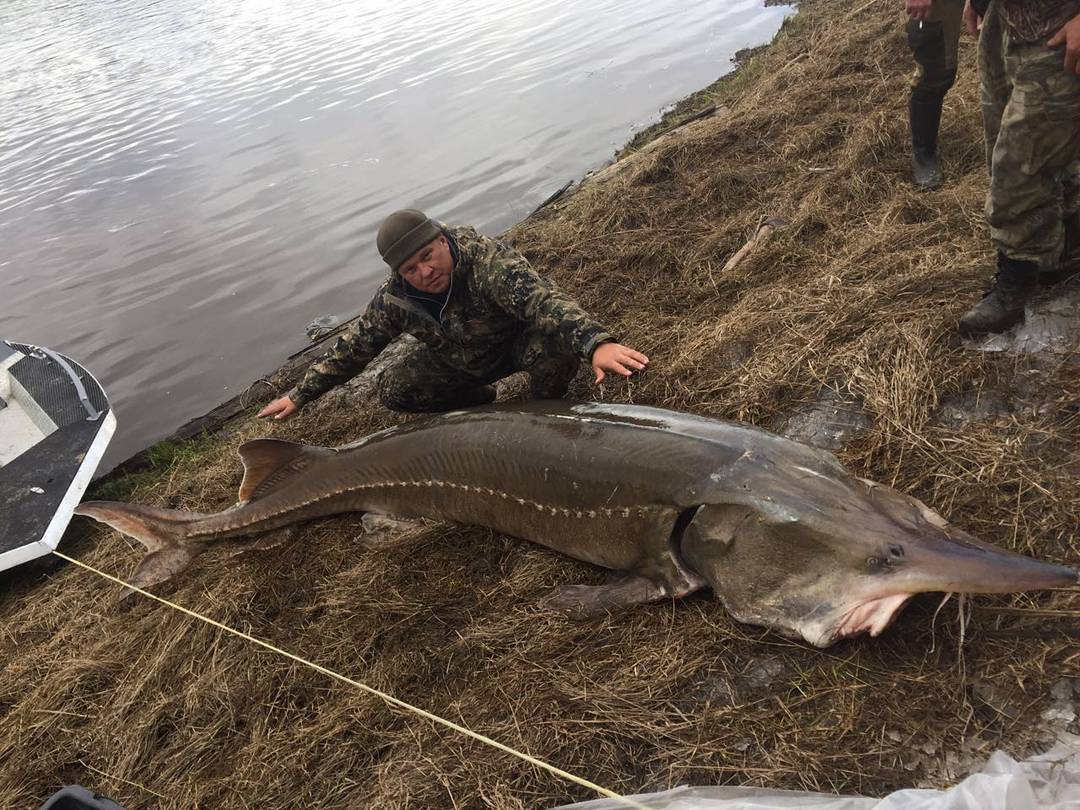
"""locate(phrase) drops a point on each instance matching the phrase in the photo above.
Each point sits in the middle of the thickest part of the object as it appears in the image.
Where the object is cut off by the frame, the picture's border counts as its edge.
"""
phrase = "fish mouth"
(868, 616)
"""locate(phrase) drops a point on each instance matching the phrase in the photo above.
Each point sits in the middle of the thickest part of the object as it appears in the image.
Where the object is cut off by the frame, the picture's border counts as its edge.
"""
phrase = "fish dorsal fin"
(269, 462)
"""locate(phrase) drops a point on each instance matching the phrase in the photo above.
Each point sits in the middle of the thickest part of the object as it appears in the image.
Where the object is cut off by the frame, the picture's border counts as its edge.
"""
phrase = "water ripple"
(185, 184)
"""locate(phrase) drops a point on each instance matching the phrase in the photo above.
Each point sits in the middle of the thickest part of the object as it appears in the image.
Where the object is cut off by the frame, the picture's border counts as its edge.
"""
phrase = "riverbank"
(836, 326)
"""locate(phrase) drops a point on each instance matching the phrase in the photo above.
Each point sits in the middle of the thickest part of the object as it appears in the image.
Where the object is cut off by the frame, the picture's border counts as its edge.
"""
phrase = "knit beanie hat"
(402, 234)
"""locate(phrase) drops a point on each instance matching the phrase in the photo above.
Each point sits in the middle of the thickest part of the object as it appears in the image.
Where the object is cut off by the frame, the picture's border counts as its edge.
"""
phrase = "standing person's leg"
(1070, 257)
(994, 87)
(549, 365)
(1035, 158)
(934, 43)
(1033, 161)
(422, 382)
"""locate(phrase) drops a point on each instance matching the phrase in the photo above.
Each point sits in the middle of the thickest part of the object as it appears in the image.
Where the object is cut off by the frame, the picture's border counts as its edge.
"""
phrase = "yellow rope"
(364, 687)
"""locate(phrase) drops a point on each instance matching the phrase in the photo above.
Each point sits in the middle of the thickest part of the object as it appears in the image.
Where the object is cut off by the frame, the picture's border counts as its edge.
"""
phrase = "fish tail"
(162, 531)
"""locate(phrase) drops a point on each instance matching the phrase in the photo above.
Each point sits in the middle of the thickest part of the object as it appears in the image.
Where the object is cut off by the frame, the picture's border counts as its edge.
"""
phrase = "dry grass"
(859, 295)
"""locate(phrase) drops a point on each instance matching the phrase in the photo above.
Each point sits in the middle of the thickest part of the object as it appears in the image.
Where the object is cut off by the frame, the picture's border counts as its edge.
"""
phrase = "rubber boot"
(1069, 265)
(1015, 283)
(924, 114)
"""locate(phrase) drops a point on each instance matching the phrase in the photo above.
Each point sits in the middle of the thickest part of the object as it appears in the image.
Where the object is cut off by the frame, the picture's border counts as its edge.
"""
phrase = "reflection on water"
(184, 185)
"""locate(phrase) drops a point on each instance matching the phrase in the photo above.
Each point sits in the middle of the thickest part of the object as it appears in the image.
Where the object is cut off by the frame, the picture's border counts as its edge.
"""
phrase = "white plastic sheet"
(1050, 781)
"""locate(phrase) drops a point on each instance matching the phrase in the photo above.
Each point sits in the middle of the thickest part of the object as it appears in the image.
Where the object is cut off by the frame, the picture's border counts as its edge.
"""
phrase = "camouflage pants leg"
(934, 44)
(1070, 258)
(547, 362)
(1072, 190)
(1031, 107)
(423, 382)
(993, 86)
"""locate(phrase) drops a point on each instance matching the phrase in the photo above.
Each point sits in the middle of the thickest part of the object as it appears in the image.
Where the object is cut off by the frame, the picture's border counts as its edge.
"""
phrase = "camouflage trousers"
(934, 44)
(1031, 118)
(424, 382)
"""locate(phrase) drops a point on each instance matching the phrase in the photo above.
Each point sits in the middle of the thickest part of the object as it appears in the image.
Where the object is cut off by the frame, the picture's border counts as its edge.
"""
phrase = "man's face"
(429, 268)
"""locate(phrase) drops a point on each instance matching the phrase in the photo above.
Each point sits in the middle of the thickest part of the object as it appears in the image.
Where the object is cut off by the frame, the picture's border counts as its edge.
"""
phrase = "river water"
(185, 185)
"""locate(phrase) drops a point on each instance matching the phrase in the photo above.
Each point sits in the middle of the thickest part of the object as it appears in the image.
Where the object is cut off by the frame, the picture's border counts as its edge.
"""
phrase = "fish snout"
(954, 566)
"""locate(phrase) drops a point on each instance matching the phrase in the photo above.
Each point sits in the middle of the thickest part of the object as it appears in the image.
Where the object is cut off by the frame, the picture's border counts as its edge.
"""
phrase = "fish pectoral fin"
(590, 601)
(269, 462)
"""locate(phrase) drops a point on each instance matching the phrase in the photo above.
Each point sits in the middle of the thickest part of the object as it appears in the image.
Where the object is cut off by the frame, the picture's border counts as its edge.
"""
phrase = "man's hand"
(280, 408)
(1069, 36)
(919, 10)
(617, 358)
(972, 21)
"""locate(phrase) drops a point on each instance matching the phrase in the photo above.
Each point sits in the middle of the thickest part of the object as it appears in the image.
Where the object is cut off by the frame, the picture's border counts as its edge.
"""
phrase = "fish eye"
(883, 565)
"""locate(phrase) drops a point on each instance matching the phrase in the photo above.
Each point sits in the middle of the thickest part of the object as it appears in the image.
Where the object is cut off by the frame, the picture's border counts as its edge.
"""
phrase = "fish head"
(830, 556)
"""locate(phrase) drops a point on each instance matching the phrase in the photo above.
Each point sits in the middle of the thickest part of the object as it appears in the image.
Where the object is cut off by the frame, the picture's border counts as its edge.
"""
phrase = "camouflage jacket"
(494, 296)
(1034, 20)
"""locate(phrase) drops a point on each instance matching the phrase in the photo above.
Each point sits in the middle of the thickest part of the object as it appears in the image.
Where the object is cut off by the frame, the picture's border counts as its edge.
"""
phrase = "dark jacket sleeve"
(357, 347)
(512, 284)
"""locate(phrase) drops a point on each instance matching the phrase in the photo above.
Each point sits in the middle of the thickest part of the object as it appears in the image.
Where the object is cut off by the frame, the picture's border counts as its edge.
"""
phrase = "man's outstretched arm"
(350, 355)
(521, 291)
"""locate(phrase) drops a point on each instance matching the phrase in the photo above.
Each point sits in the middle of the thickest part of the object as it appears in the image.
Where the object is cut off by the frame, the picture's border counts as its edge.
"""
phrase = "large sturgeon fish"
(781, 532)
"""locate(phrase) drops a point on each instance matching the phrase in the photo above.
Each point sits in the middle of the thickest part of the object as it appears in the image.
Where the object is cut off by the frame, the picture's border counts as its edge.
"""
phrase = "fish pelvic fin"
(161, 531)
(270, 462)
(159, 566)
